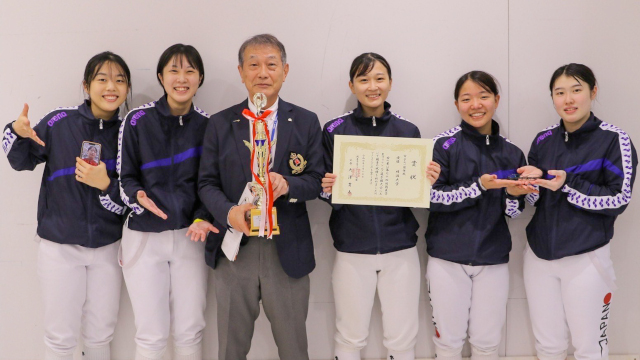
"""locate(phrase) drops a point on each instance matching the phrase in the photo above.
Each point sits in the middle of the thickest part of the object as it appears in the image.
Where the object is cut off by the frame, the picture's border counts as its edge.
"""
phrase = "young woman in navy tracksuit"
(79, 210)
(468, 240)
(159, 146)
(588, 169)
(376, 244)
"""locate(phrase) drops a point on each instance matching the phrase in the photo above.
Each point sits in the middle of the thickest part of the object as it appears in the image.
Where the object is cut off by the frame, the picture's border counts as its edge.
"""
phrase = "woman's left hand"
(519, 190)
(433, 172)
(199, 230)
(555, 183)
(94, 176)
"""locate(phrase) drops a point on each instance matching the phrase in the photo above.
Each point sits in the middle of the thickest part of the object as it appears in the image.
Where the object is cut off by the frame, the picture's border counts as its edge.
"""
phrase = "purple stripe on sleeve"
(156, 163)
(62, 172)
(595, 165)
(504, 174)
(191, 153)
(110, 163)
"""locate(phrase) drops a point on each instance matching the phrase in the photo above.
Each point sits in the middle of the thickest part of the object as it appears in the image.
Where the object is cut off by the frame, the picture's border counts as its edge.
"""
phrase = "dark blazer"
(225, 171)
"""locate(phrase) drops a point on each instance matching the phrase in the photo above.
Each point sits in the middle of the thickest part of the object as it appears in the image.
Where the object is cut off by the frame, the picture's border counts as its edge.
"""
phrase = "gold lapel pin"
(236, 120)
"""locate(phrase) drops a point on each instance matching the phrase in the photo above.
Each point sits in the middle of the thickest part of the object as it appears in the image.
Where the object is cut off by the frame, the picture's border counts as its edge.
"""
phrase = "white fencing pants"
(81, 294)
(467, 298)
(396, 276)
(570, 294)
(166, 278)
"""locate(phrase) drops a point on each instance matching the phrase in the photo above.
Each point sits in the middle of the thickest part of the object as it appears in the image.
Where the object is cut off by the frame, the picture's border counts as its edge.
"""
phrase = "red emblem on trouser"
(607, 298)
(437, 333)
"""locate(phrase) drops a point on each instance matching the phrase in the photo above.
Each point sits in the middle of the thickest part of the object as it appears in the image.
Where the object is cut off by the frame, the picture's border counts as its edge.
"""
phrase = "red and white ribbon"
(267, 205)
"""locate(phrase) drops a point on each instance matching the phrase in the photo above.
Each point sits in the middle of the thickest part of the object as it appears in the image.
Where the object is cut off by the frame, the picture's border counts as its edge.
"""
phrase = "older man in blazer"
(272, 270)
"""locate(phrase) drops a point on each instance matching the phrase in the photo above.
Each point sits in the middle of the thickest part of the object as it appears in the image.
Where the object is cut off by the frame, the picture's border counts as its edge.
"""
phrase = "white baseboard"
(611, 357)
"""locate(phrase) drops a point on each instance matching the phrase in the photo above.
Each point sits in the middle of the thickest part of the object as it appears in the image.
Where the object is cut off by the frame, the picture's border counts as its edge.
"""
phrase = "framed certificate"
(376, 170)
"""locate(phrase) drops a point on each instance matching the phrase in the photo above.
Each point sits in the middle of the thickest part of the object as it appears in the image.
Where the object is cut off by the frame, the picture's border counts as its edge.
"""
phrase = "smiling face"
(263, 72)
(372, 89)
(476, 106)
(181, 82)
(572, 100)
(107, 91)
(92, 152)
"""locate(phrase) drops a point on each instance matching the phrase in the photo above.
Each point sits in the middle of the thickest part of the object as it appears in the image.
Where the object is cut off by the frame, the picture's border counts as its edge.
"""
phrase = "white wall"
(429, 44)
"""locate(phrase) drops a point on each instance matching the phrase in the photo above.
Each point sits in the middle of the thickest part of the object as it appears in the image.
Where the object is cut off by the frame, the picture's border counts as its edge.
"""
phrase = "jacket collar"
(475, 135)
(87, 115)
(591, 124)
(163, 108)
(358, 114)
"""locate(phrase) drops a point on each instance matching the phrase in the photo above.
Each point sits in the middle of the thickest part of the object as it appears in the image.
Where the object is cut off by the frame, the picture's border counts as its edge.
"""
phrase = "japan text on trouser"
(574, 291)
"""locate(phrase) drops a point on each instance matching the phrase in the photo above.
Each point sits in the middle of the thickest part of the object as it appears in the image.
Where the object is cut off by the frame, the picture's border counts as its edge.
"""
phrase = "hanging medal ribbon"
(267, 188)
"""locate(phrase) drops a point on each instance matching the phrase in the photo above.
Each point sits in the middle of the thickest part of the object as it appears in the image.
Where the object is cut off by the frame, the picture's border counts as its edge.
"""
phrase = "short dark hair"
(264, 40)
(579, 72)
(182, 52)
(95, 63)
(483, 79)
(363, 64)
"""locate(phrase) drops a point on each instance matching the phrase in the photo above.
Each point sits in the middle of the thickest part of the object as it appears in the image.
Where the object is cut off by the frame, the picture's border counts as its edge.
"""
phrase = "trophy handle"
(260, 101)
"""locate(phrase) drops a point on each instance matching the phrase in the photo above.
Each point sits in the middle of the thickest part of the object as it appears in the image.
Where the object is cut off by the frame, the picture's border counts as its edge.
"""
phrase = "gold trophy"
(261, 151)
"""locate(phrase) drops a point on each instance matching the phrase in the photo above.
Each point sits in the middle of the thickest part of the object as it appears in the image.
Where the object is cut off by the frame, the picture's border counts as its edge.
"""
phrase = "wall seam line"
(506, 318)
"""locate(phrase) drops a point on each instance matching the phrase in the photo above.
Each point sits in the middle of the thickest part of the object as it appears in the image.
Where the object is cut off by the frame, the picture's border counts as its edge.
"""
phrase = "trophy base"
(254, 225)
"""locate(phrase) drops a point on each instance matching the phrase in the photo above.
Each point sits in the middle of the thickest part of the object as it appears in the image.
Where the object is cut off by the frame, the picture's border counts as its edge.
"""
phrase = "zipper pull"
(487, 139)
(373, 119)
(100, 124)
(181, 120)
(566, 136)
